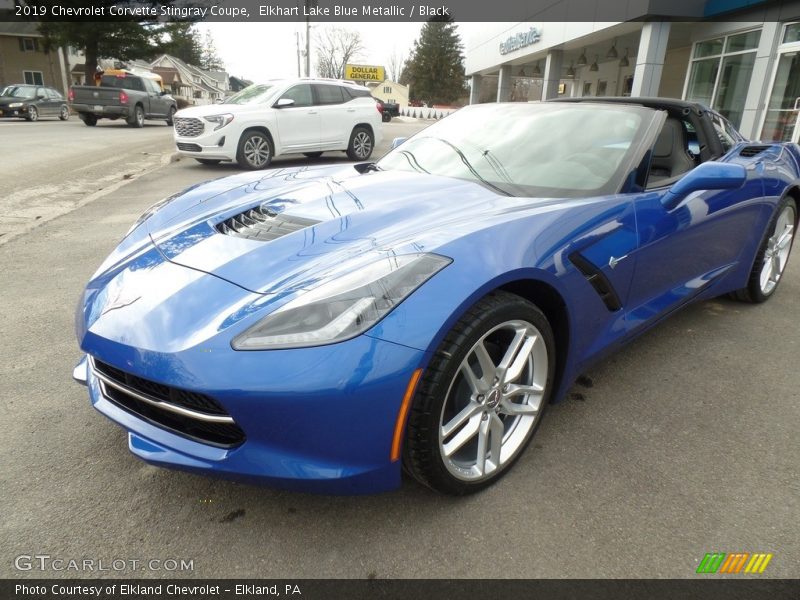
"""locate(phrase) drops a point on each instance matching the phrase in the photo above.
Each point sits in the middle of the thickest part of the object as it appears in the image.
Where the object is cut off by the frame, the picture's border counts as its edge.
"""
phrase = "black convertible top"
(671, 105)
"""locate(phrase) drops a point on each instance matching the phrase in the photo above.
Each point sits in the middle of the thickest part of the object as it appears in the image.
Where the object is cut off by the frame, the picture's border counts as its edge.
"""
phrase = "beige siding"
(13, 62)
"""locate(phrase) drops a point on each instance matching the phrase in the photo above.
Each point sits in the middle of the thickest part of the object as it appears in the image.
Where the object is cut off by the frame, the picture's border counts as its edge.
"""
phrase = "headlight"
(220, 120)
(342, 308)
(15, 105)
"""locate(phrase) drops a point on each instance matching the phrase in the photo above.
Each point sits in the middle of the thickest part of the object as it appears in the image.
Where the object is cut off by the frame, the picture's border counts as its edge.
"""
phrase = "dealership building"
(740, 57)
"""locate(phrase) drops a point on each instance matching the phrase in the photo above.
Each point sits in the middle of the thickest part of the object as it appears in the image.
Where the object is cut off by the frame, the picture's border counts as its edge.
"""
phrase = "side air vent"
(749, 151)
(263, 224)
(598, 281)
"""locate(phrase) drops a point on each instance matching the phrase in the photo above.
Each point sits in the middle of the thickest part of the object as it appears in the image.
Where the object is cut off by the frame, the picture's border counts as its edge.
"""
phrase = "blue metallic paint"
(322, 418)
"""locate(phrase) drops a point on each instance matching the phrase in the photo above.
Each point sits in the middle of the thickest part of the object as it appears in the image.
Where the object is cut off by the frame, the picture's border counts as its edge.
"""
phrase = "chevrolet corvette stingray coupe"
(326, 329)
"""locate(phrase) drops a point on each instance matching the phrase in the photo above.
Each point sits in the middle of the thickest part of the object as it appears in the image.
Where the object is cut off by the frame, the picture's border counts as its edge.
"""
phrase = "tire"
(255, 150)
(63, 114)
(33, 114)
(312, 154)
(453, 413)
(171, 116)
(208, 161)
(361, 145)
(773, 254)
(137, 119)
(89, 120)
(386, 117)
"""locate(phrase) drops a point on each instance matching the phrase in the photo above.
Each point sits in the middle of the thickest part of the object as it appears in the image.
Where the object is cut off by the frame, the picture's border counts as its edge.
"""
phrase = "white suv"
(308, 116)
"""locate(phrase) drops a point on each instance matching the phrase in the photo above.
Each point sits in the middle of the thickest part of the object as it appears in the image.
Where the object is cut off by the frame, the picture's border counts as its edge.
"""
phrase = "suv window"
(329, 94)
(301, 94)
(123, 82)
(357, 92)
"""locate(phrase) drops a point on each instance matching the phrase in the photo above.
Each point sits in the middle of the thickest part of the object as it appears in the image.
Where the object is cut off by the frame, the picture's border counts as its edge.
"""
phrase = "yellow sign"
(364, 73)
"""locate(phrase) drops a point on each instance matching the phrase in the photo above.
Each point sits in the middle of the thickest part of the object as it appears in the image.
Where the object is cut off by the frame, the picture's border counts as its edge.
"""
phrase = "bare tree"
(337, 47)
(395, 63)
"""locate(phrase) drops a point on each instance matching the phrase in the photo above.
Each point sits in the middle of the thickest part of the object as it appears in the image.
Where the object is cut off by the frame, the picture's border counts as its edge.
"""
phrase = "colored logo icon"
(734, 563)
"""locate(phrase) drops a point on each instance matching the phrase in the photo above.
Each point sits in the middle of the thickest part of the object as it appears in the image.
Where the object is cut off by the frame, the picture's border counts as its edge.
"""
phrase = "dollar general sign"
(364, 73)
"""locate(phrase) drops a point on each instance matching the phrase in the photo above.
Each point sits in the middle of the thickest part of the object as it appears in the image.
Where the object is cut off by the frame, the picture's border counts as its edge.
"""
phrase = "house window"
(720, 72)
(33, 77)
(198, 94)
(28, 45)
(387, 89)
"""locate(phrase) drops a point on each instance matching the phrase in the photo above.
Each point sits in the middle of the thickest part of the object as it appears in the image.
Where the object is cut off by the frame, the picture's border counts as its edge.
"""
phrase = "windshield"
(536, 149)
(254, 94)
(19, 91)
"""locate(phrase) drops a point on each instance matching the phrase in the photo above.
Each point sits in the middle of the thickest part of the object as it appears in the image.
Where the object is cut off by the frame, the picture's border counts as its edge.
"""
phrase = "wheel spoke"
(462, 417)
(785, 239)
(463, 436)
(483, 447)
(485, 361)
(497, 430)
(520, 361)
(534, 394)
(478, 386)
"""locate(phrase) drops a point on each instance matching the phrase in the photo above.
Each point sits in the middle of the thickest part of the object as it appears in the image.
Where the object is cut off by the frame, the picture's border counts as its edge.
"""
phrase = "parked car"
(325, 328)
(306, 116)
(123, 96)
(31, 102)
(388, 109)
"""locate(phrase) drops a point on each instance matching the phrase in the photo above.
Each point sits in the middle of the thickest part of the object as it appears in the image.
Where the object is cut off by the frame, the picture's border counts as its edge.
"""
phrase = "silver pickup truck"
(125, 96)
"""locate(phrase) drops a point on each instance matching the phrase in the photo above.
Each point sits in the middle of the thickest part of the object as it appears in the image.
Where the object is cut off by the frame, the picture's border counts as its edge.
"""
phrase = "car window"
(41, 92)
(329, 94)
(151, 86)
(724, 136)
(301, 94)
(253, 94)
(54, 94)
(19, 91)
(358, 92)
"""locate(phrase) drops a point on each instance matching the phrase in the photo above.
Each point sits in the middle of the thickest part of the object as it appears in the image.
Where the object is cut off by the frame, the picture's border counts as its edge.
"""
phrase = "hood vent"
(749, 151)
(263, 224)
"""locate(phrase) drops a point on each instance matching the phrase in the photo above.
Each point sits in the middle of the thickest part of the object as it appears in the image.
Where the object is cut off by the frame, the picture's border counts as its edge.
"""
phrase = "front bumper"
(316, 419)
(20, 112)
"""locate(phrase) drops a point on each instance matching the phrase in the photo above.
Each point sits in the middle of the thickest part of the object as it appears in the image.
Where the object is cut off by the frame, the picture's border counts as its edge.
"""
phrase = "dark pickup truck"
(388, 109)
(125, 96)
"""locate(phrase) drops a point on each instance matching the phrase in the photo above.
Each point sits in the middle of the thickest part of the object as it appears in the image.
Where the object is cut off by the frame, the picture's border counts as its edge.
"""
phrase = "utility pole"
(297, 39)
(308, 38)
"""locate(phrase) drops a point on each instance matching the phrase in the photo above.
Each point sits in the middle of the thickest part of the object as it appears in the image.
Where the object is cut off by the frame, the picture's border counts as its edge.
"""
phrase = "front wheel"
(63, 113)
(481, 397)
(361, 144)
(255, 151)
(33, 114)
(773, 254)
(137, 119)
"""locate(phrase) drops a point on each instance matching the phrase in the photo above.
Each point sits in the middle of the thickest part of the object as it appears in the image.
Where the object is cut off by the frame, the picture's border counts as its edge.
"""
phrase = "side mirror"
(164, 93)
(40, 97)
(397, 141)
(707, 176)
(284, 102)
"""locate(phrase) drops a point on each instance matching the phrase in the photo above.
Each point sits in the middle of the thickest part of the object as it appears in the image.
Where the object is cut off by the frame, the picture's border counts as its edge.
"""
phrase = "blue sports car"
(324, 329)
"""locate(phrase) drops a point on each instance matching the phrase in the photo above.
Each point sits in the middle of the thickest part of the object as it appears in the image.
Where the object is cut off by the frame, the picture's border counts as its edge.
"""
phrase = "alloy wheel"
(778, 248)
(362, 144)
(256, 150)
(494, 401)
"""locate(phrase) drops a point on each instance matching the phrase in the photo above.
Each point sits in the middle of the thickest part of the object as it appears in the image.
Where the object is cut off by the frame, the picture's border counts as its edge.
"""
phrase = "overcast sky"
(259, 51)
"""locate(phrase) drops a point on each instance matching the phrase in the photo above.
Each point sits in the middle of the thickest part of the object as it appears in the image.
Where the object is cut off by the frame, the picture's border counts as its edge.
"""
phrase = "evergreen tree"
(183, 41)
(208, 57)
(119, 39)
(435, 69)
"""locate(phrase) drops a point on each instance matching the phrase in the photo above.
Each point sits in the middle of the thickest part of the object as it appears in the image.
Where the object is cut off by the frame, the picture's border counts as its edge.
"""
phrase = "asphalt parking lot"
(686, 442)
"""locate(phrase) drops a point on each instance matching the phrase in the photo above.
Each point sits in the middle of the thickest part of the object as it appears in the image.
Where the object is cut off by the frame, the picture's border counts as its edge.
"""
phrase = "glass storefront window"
(743, 41)
(709, 48)
(781, 117)
(720, 79)
(792, 33)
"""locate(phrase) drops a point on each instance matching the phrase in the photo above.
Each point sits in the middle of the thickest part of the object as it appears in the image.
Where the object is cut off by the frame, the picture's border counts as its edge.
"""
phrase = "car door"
(335, 116)
(298, 124)
(56, 101)
(686, 244)
(157, 104)
(43, 102)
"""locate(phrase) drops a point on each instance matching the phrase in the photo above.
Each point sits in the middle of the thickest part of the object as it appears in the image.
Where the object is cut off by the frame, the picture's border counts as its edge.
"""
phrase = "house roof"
(25, 28)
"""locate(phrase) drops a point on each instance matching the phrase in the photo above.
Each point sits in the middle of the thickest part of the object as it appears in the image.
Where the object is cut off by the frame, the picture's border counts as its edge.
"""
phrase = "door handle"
(312, 112)
(797, 104)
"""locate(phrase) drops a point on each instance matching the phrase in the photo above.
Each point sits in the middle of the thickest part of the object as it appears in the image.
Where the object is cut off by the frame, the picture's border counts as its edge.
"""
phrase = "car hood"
(319, 221)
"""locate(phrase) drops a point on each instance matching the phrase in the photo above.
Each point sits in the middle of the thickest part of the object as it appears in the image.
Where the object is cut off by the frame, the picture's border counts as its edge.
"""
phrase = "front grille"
(187, 413)
(188, 127)
(263, 224)
(189, 147)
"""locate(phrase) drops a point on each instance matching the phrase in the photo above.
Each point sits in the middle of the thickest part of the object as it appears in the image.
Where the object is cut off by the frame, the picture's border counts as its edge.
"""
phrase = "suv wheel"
(361, 144)
(255, 150)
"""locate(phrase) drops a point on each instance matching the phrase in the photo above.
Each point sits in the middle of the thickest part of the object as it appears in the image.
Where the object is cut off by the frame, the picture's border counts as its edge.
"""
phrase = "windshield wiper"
(469, 166)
